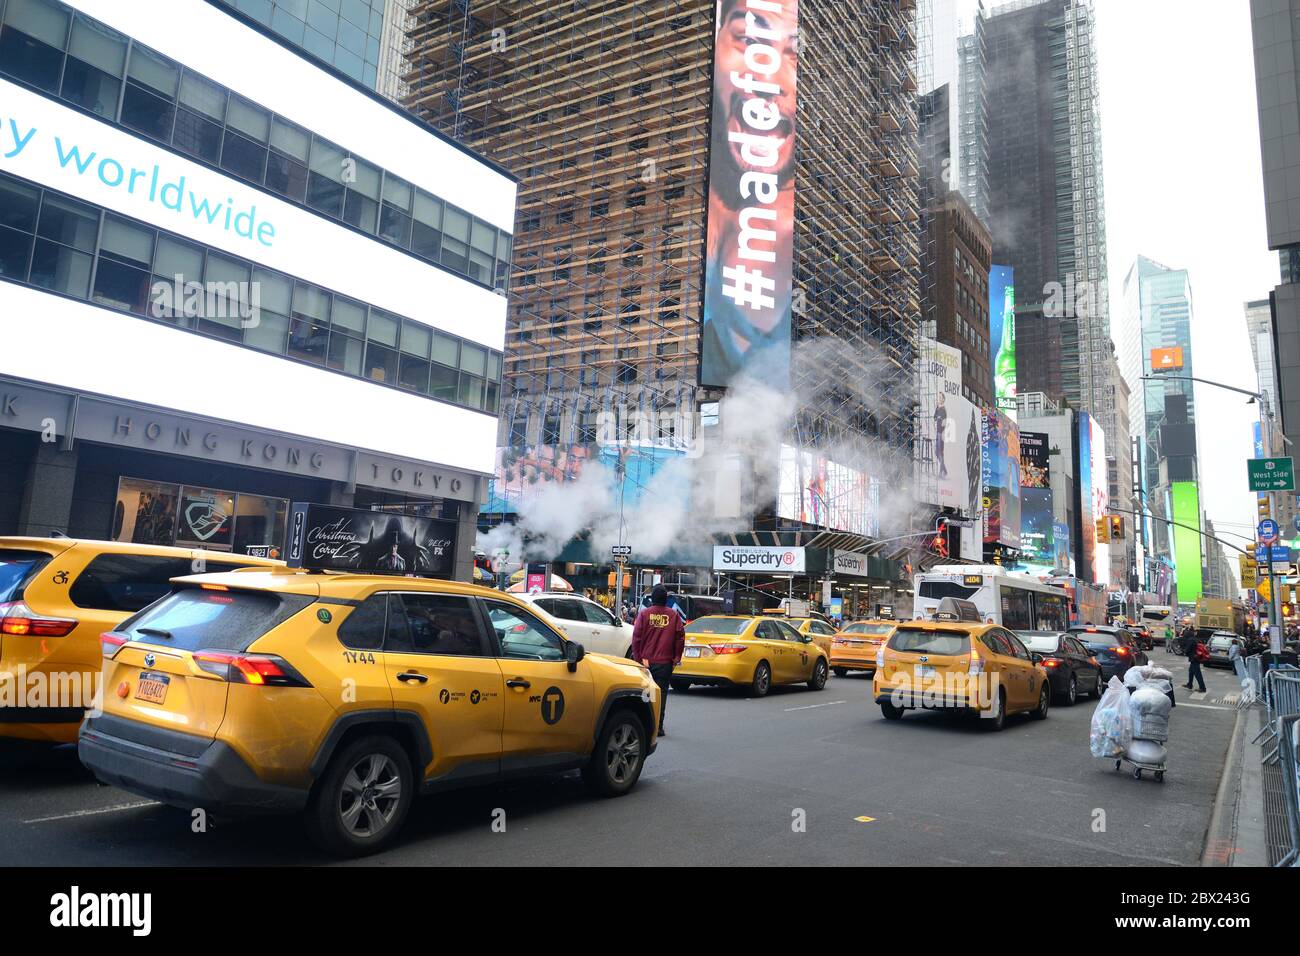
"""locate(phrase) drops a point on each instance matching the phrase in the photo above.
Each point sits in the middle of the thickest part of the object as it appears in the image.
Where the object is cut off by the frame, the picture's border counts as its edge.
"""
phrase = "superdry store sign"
(349, 539)
(756, 560)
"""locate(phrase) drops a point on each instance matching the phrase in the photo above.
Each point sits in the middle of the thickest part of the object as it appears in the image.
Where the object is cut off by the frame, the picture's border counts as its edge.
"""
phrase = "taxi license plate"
(926, 673)
(152, 687)
(691, 652)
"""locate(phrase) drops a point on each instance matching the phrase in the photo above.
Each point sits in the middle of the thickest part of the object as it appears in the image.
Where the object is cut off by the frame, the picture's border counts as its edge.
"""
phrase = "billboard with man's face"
(749, 250)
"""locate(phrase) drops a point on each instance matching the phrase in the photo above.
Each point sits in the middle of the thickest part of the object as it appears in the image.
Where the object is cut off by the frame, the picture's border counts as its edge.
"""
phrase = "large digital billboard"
(1094, 499)
(1000, 477)
(749, 249)
(1002, 336)
(1037, 529)
(948, 452)
(815, 490)
(1185, 499)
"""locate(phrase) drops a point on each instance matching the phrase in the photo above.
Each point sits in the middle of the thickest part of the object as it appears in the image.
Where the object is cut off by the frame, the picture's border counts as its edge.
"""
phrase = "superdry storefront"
(94, 467)
(843, 584)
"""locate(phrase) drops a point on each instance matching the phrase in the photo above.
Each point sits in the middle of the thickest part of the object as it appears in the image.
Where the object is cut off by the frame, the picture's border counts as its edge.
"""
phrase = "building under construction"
(603, 109)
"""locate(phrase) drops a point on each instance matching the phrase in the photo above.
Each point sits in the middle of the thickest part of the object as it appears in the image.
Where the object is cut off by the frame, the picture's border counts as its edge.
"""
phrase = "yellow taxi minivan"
(343, 696)
(724, 650)
(57, 595)
(957, 663)
(854, 647)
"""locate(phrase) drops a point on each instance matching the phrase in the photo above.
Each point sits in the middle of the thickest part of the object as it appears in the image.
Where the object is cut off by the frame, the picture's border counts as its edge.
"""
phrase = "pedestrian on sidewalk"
(1235, 659)
(1196, 653)
(657, 641)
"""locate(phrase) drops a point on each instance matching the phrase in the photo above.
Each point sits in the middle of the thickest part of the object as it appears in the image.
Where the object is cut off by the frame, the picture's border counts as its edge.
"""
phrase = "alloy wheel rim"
(763, 678)
(371, 792)
(1074, 688)
(623, 753)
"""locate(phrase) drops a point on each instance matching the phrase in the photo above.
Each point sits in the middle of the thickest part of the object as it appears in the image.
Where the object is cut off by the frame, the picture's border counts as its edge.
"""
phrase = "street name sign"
(1271, 474)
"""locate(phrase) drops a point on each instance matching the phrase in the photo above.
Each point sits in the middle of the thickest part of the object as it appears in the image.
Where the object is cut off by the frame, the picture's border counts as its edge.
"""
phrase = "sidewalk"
(1248, 827)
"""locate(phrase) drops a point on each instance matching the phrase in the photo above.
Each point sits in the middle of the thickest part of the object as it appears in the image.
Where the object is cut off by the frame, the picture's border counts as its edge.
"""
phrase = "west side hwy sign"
(1271, 474)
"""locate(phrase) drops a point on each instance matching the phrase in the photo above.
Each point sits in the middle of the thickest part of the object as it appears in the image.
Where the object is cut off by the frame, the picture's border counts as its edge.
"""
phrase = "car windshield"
(1101, 638)
(921, 641)
(15, 568)
(717, 625)
(861, 628)
(1040, 643)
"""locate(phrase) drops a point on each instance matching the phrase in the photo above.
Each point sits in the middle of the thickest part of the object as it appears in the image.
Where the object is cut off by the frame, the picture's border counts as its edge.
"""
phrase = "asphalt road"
(797, 777)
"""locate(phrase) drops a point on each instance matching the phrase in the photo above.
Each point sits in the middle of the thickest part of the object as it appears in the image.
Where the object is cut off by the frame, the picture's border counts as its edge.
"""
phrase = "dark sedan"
(1071, 668)
(1115, 648)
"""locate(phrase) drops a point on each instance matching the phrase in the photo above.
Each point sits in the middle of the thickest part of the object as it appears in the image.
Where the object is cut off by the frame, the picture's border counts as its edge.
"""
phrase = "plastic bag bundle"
(1112, 722)
(1138, 675)
(1150, 699)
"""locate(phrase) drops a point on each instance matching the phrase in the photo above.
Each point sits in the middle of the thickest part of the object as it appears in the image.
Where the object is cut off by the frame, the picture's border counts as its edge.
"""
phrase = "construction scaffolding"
(602, 109)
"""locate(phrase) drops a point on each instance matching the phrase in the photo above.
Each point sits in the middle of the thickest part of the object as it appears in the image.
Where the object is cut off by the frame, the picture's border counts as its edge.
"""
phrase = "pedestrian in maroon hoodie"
(658, 637)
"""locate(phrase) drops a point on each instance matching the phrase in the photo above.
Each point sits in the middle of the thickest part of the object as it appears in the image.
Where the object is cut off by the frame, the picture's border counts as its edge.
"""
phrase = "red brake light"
(1122, 651)
(110, 643)
(17, 619)
(728, 648)
(258, 669)
(1051, 662)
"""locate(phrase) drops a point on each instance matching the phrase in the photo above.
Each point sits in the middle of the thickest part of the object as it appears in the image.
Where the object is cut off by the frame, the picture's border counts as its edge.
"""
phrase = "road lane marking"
(1205, 706)
(864, 819)
(830, 703)
(91, 813)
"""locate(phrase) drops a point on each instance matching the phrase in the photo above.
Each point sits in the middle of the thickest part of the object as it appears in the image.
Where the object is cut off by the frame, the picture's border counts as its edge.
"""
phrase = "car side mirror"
(573, 653)
(1036, 658)
(807, 638)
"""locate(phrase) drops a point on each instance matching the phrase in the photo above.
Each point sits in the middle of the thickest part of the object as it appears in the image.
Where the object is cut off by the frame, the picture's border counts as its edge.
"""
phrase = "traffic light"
(1103, 531)
(1265, 507)
(939, 543)
(1287, 610)
(1116, 527)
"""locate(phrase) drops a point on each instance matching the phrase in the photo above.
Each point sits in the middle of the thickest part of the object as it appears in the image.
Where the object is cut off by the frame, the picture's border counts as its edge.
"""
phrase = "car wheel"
(618, 756)
(891, 712)
(359, 804)
(680, 685)
(819, 674)
(996, 719)
(1044, 703)
(1097, 687)
(841, 672)
(762, 681)
(1072, 691)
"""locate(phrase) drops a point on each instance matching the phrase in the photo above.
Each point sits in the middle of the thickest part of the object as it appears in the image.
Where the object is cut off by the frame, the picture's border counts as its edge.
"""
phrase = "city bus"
(1015, 601)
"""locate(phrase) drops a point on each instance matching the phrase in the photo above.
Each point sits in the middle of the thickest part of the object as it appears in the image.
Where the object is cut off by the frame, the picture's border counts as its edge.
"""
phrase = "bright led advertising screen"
(1186, 501)
(1037, 529)
(749, 251)
(1002, 335)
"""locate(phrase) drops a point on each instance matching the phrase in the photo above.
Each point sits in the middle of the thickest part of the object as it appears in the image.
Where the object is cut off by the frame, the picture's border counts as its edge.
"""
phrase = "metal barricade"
(1282, 697)
(1287, 736)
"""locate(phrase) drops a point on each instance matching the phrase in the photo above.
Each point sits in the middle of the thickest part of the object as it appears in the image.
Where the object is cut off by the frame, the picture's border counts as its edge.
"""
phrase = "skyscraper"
(1046, 205)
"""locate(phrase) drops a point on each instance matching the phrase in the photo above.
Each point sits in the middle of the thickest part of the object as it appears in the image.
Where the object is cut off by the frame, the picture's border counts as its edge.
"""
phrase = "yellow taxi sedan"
(854, 647)
(749, 652)
(969, 668)
(821, 632)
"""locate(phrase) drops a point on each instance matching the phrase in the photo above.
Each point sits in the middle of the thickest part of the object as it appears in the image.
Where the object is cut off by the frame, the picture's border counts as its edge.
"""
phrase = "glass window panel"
(99, 46)
(398, 192)
(224, 269)
(286, 176)
(366, 181)
(425, 241)
(471, 391)
(381, 363)
(147, 510)
(15, 251)
(31, 44)
(122, 287)
(243, 157)
(327, 159)
(274, 291)
(382, 327)
(349, 315)
(345, 353)
(446, 349)
(456, 224)
(479, 267)
(60, 269)
(416, 338)
(325, 194)
(428, 210)
(307, 340)
(154, 71)
(311, 301)
(414, 374)
(443, 383)
(503, 246)
(394, 226)
(70, 222)
(174, 257)
(197, 136)
(492, 398)
(473, 358)
(360, 211)
(47, 22)
(494, 366)
(90, 88)
(126, 242)
(251, 120)
(454, 255)
(203, 96)
(259, 521)
(18, 203)
(291, 140)
(270, 333)
(147, 112)
(484, 238)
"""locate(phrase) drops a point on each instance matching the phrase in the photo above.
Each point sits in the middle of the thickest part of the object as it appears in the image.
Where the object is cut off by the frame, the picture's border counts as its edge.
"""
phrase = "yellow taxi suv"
(343, 696)
(961, 666)
(749, 652)
(822, 634)
(57, 595)
(854, 647)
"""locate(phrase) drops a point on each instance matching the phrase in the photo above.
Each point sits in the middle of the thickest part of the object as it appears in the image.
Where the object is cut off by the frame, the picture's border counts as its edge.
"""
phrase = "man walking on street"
(1194, 649)
(657, 641)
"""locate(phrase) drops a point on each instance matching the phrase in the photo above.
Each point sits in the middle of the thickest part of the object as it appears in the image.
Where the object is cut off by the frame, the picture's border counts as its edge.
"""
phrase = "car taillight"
(259, 669)
(880, 658)
(728, 648)
(18, 619)
(110, 643)
(1122, 651)
(976, 663)
(1050, 662)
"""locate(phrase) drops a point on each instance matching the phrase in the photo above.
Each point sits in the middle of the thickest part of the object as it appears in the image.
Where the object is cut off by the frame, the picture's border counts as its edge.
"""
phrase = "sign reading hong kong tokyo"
(758, 560)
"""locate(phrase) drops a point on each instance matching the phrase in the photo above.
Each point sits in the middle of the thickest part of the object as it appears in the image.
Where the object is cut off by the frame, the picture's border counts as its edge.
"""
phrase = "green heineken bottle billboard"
(1002, 336)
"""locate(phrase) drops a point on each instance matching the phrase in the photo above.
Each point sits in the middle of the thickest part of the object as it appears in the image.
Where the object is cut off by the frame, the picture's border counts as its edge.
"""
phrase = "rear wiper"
(155, 632)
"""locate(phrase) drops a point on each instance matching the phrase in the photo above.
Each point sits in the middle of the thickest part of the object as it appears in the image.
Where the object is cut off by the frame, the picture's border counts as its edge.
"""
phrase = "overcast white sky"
(1183, 186)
